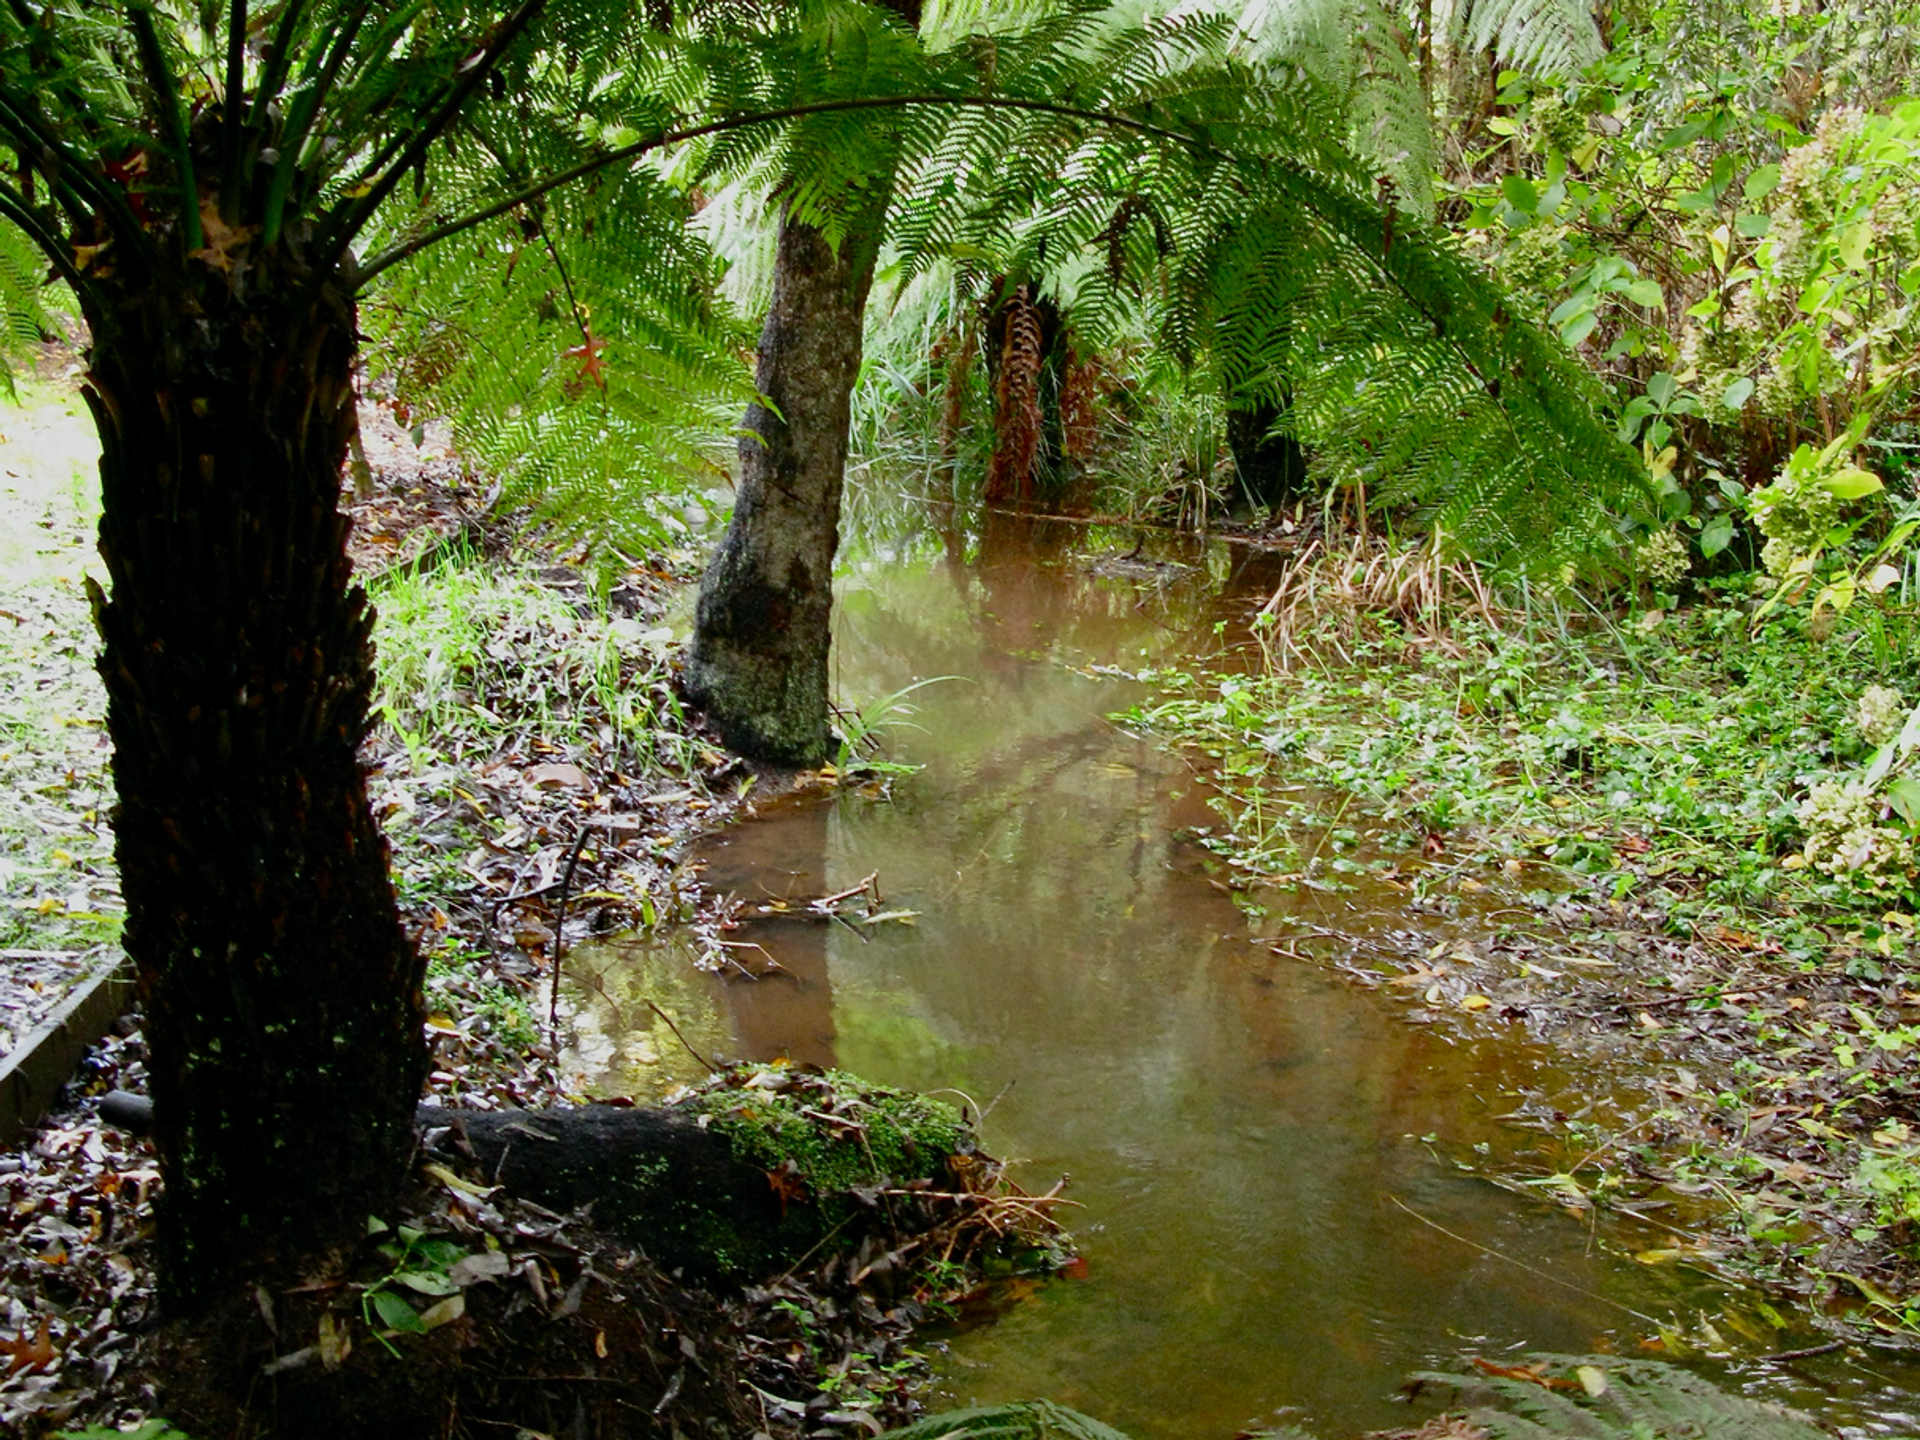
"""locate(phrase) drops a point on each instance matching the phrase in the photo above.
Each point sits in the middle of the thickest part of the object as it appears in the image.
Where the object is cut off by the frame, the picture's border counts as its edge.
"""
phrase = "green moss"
(837, 1131)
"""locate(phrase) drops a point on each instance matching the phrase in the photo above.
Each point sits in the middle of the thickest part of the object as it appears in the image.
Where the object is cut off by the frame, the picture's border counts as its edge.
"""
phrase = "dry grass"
(1337, 587)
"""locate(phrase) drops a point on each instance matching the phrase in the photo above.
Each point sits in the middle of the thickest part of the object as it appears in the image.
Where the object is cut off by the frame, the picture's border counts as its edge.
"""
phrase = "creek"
(1285, 1213)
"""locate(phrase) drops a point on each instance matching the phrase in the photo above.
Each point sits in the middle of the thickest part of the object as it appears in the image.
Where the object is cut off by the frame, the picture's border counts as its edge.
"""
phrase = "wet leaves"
(76, 1206)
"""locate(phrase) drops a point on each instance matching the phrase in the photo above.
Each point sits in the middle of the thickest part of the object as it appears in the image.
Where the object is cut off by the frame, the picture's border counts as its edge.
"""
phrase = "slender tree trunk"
(762, 631)
(763, 625)
(282, 1000)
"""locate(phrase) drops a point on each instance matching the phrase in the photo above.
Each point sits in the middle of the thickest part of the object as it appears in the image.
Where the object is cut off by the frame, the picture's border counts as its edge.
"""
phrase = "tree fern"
(1554, 1398)
(1548, 37)
(1261, 250)
(26, 316)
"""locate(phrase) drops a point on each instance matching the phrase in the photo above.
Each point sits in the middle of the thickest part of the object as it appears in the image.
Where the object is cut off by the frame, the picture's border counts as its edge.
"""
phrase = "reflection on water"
(1274, 1234)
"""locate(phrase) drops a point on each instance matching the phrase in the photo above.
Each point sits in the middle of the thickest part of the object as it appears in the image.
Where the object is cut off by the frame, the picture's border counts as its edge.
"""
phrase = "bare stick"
(560, 935)
(1522, 1265)
(710, 1064)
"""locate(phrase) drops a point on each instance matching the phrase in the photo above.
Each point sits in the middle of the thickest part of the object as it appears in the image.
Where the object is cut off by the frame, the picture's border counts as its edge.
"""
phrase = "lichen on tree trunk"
(758, 664)
(282, 1000)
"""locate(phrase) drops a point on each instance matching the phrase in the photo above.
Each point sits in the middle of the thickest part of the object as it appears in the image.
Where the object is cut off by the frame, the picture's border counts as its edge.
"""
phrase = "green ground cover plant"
(1677, 758)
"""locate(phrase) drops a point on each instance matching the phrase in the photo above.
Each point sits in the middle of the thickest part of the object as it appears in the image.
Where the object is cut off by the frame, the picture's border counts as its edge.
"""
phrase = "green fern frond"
(1548, 37)
(1026, 1420)
(1635, 1400)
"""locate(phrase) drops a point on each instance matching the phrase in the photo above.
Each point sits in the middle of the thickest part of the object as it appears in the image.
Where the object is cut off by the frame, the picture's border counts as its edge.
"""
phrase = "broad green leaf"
(1883, 759)
(1716, 535)
(1660, 388)
(1738, 393)
(1570, 307)
(1646, 292)
(1520, 193)
(1852, 483)
(1578, 328)
(1839, 595)
(1753, 226)
(425, 1282)
(1904, 797)
(395, 1313)
(1761, 181)
(1853, 243)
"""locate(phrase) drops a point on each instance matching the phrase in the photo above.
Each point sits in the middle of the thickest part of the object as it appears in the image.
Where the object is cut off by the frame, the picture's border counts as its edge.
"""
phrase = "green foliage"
(1023, 1420)
(26, 308)
(558, 305)
(1540, 752)
(886, 1133)
(1256, 252)
(1718, 214)
(1602, 1397)
(453, 645)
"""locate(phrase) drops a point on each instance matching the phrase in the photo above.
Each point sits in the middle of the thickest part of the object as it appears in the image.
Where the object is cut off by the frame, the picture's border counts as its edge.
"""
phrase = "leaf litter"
(537, 778)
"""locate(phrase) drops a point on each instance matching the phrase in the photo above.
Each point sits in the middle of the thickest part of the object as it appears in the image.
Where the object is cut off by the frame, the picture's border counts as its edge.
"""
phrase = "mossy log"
(737, 1180)
(740, 1179)
(656, 1177)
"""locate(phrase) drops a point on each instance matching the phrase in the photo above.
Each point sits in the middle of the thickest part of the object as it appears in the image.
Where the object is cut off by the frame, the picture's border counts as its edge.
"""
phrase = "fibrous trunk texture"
(282, 1000)
(758, 665)
(1017, 418)
(1273, 467)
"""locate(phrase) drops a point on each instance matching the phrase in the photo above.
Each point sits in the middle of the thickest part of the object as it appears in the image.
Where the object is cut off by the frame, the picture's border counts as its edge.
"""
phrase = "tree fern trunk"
(282, 1000)
(1273, 468)
(762, 632)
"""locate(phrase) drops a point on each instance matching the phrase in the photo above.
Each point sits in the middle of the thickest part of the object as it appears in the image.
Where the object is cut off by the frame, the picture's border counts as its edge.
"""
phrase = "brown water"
(1276, 1225)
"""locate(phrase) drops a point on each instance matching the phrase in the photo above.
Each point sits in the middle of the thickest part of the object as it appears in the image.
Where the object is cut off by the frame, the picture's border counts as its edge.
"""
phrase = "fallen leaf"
(590, 354)
(787, 1184)
(559, 773)
(449, 1309)
(334, 1343)
(488, 1265)
(1592, 1379)
(1534, 1374)
(34, 1354)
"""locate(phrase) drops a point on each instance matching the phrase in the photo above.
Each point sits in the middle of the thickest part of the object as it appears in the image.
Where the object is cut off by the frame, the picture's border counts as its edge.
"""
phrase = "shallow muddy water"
(1276, 1222)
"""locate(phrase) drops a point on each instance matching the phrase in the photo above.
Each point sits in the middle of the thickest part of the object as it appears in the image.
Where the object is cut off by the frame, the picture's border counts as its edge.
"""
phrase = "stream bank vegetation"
(1222, 259)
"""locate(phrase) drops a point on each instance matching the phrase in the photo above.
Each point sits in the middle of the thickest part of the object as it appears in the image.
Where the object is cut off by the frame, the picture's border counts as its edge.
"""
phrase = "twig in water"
(1783, 1356)
(711, 1066)
(865, 887)
(995, 1101)
(1522, 1265)
(560, 936)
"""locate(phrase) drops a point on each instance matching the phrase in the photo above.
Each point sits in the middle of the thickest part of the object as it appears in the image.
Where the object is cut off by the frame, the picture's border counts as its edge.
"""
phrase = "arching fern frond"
(1547, 37)
(26, 316)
